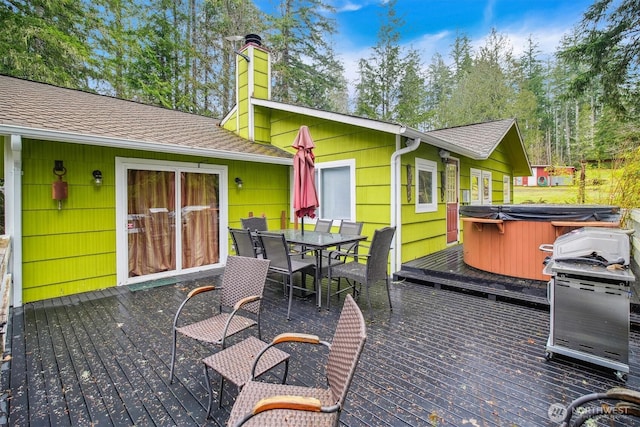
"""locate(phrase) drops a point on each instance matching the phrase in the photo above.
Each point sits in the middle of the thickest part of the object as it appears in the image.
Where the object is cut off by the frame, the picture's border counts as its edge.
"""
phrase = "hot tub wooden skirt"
(510, 248)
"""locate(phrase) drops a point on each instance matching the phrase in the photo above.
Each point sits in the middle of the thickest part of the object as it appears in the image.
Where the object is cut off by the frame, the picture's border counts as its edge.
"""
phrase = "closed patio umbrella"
(305, 197)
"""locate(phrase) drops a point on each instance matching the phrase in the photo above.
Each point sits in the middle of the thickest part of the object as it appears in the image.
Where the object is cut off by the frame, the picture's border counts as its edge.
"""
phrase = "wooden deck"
(442, 357)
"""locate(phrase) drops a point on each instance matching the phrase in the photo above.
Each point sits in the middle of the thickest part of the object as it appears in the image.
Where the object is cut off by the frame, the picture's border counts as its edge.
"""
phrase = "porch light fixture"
(238, 182)
(97, 177)
(444, 155)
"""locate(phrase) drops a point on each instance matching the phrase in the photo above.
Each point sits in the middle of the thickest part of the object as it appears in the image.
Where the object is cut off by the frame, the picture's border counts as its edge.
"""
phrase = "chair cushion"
(253, 391)
(211, 329)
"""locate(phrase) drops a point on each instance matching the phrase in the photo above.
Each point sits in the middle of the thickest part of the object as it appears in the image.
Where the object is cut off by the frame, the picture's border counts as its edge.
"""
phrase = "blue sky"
(431, 25)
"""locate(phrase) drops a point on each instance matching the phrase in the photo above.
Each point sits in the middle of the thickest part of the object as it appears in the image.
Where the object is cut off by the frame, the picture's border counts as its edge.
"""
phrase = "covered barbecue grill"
(589, 294)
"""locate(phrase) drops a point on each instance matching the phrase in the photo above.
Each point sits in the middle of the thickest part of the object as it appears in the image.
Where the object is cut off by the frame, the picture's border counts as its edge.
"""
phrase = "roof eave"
(392, 128)
(76, 138)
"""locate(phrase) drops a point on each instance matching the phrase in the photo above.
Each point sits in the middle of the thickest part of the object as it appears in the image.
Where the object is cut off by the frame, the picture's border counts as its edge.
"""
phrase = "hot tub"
(505, 239)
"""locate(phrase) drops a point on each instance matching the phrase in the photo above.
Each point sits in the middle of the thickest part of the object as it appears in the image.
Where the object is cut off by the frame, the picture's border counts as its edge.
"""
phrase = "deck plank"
(441, 357)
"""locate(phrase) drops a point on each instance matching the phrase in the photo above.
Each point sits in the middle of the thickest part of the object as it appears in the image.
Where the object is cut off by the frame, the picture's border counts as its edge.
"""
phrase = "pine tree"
(306, 70)
(46, 41)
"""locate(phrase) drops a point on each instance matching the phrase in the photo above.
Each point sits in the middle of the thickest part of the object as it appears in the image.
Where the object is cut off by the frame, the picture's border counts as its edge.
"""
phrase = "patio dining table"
(317, 241)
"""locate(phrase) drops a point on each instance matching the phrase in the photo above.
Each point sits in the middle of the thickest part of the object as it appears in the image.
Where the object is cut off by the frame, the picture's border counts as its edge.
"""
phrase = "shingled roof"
(480, 138)
(39, 110)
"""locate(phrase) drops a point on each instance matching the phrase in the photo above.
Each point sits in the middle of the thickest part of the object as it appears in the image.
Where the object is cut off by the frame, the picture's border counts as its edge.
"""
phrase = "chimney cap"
(253, 38)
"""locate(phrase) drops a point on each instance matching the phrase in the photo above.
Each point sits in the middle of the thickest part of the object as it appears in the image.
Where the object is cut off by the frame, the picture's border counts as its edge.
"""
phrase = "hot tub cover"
(543, 212)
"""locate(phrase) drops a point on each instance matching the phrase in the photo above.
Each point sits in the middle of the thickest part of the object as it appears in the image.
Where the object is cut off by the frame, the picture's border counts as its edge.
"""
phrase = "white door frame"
(122, 246)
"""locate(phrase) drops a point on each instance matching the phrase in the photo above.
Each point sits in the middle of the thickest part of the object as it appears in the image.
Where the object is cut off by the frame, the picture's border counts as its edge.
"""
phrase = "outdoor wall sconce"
(59, 188)
(238, 182)
(97, 177)
(444, 155)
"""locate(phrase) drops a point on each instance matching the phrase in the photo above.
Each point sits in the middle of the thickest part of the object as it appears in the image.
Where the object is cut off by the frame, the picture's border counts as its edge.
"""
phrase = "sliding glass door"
(173, 219)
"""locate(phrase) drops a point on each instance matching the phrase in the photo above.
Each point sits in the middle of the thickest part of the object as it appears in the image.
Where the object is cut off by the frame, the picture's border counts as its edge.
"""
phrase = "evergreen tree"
(46, 41)
(411, 109)
(462, 55)
(605, 45)
(486, 91)
(377, 90)
(391, 82)
(305, 69)
(439, 89)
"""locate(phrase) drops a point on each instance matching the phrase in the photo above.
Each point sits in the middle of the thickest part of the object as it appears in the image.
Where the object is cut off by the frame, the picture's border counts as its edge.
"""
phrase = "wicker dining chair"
(243, 242)
(369, 273)
(284, 262)
(241, 291)
(270, 404)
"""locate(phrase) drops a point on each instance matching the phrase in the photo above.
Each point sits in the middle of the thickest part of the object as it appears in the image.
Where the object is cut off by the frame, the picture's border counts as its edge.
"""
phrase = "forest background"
(576, 108)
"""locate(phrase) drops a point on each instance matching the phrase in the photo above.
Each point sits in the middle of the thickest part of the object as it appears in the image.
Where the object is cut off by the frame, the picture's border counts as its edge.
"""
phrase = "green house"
(103, 192)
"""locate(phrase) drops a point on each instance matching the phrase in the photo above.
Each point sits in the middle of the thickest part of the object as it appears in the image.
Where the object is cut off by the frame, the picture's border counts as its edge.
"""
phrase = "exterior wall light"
(238, 182)
(97, 177)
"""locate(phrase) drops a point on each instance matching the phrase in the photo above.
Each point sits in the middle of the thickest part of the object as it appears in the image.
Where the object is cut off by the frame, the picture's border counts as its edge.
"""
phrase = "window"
(427, 183)
(336, 185)
(476, 187)
(486, 187)
(506, 189)
(480, 186)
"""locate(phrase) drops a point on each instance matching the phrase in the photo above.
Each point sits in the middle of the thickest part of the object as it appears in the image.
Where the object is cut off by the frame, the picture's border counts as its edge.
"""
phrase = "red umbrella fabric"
(305, 196)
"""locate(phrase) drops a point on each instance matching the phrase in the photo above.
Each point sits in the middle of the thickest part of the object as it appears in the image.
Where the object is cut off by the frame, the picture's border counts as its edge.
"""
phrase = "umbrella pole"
(302, 221)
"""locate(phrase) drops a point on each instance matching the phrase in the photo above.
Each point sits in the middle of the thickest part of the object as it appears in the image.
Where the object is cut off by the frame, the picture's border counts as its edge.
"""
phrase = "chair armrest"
(191, 294)
(244, 301)
(200, 290)
(295, 403)
(236, 307)
(295, 337)
(285, 338)
(338, 253)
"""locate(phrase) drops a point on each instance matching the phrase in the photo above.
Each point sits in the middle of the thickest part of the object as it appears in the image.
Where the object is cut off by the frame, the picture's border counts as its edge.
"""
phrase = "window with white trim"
(426, 186)
(506, 189)
(336, 186)
(480, 186)
(486, 188)
(475, 186)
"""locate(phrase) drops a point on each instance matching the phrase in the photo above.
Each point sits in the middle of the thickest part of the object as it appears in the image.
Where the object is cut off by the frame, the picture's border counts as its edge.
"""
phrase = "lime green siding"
(422, 233)
(73, 249)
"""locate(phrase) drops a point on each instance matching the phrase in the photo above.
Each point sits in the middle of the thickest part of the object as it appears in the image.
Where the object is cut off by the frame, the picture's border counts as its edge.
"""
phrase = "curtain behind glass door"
(200, 219)
(151, 221)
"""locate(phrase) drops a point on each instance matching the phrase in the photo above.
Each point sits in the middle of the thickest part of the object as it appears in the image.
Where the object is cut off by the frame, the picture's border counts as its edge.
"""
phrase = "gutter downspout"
(396, 204)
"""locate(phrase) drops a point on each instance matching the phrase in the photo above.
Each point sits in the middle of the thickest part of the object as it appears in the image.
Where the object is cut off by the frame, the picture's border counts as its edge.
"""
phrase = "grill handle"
(546, 247)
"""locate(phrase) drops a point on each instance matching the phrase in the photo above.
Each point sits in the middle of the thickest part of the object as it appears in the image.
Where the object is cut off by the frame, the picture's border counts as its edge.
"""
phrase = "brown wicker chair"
(242, 286)
(269, 404)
